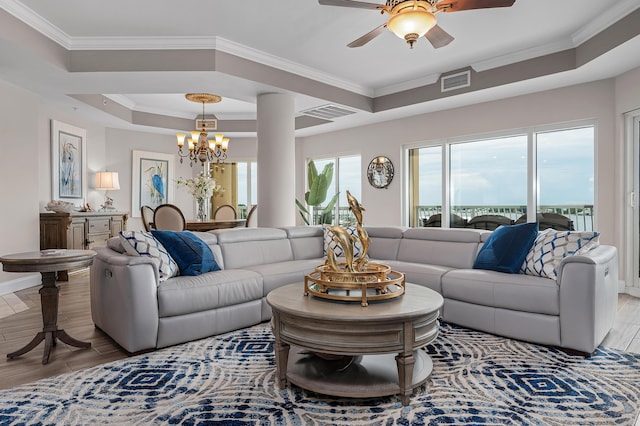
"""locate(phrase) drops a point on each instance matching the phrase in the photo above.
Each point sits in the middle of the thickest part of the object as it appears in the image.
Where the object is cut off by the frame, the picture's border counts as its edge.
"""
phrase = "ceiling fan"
(412, 19)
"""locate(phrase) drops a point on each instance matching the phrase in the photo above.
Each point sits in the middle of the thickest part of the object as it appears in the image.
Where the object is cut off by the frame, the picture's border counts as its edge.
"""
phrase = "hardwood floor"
(16, 329)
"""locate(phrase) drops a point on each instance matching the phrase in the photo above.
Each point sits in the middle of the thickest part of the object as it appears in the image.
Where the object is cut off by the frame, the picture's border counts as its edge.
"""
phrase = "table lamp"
(107, 181)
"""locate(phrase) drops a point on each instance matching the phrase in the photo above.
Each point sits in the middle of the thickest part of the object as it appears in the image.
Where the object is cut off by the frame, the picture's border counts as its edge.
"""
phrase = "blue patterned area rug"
(230, 380)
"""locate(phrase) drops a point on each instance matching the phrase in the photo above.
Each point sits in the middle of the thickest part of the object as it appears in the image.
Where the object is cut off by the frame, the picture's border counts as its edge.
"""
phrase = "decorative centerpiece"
(355, 279)
(202, 188)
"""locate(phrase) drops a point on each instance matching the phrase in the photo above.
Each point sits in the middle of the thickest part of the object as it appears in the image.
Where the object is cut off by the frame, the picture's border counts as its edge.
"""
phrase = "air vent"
(328, 112)
(209, 124)
(455, 81)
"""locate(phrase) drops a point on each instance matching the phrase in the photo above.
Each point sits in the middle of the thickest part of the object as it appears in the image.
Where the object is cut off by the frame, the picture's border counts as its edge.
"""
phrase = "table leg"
(405, 362)
(282, 359)
(49, 297)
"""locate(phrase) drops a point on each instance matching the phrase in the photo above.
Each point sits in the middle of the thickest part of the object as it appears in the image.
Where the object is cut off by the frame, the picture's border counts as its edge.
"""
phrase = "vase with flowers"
(202, 188)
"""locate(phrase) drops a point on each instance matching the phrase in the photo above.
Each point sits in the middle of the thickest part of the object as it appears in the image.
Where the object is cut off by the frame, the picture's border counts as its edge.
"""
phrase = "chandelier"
(201, 149)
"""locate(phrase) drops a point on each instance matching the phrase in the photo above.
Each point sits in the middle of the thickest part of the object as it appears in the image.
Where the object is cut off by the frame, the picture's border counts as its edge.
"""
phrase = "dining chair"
(225, 212)
(169, 217)
(252, 217)
(146, 213)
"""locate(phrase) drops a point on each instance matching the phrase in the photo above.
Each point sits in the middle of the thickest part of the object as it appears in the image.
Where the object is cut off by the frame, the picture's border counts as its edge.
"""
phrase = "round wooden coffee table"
(48, 262)
(379, 332)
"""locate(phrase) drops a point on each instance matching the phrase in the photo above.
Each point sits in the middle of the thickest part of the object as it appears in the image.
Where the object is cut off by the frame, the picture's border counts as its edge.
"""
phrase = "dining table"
(208, 225)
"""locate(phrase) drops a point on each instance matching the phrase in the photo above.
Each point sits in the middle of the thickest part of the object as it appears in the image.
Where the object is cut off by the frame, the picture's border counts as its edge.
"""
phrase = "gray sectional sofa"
(128, 302)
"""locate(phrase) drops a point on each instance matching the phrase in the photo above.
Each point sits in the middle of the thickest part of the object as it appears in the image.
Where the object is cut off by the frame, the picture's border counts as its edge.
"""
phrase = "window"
(425, 192)
(494, 181)
(565, 169)
(488, 178)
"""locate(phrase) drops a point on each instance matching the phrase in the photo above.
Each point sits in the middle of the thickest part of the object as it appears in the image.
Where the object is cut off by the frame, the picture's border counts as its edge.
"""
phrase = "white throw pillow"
(337, 248)
(552, 246)
(140, 243)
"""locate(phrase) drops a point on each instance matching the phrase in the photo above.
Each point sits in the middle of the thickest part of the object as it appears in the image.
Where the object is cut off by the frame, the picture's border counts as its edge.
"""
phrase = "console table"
(79, 230)
(48, 262)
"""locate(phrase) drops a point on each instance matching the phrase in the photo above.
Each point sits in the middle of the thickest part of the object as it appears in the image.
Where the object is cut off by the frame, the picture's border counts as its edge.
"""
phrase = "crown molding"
(37, 22)
(522, 55)
(609, 17)
(407, 85)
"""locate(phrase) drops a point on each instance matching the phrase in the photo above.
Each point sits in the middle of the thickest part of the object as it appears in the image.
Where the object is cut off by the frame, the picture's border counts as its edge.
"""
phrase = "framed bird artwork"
(152, 176)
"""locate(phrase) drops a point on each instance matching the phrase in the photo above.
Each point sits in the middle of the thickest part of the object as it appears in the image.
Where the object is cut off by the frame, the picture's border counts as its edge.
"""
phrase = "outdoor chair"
(555, 221)
(488, 221)
(436, 221)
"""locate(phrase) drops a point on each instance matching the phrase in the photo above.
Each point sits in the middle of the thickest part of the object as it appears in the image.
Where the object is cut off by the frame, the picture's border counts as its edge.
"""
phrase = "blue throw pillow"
(507, 247)
(193, 256)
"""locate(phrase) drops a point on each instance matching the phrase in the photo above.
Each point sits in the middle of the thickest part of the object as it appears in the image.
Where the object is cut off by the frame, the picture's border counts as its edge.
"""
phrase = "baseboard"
(633, 291)
(11, 282)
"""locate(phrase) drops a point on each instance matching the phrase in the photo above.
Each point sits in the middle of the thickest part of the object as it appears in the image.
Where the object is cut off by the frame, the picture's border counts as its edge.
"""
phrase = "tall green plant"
(317, 194)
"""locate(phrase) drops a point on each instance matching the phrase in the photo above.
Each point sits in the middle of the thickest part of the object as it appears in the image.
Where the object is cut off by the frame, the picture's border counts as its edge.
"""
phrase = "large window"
(494, 181)
(346, 177)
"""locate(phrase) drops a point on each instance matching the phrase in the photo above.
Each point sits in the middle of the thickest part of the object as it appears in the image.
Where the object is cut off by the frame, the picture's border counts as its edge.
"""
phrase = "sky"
(494, 172)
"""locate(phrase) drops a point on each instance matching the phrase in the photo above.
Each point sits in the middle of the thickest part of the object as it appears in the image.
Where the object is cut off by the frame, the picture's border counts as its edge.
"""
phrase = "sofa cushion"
(243, 247)
(419, 273)
(385, 241)
(507, 247)
(188, 294)
(276, 275)
(452, 248)
(306, 241)
(141, 243)
(517, 292)
(336, 247)
(551, 246)
(192, 255)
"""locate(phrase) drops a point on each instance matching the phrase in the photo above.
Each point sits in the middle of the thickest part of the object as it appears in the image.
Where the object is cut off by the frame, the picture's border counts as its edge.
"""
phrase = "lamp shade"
(411, 21)
(107, 181)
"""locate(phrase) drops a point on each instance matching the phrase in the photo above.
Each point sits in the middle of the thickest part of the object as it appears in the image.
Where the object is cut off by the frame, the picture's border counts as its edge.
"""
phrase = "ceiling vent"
(208, 124)
(328, 112)
(455, 81)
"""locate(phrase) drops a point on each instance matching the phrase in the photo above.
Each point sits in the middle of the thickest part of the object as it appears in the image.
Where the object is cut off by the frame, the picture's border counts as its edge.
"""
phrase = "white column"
(276, 160)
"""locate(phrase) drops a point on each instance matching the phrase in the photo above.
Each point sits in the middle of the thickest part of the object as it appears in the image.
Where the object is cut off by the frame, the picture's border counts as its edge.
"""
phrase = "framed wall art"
(68, 162)
(151, 180)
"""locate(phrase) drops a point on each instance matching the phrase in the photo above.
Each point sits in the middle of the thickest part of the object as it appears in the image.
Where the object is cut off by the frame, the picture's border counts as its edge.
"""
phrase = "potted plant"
(317, 194)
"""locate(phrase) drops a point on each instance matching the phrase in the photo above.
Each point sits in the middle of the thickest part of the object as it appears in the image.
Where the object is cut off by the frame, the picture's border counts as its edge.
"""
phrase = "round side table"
(48, 262)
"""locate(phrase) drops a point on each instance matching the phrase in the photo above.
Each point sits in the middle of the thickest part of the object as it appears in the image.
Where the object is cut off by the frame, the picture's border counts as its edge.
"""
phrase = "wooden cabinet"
(79, 230)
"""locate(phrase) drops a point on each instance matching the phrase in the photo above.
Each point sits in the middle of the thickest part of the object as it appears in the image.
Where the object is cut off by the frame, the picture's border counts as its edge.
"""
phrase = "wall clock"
(380, 172)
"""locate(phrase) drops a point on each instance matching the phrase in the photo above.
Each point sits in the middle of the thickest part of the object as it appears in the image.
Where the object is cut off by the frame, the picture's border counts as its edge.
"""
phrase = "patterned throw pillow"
(140, 243)
(337, 248)
(552, 246)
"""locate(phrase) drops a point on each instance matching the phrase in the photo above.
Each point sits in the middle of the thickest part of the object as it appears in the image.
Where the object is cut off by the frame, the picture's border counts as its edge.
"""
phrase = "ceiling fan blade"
(350, 3)
(368, 36)
(458, 5)
(438, 37)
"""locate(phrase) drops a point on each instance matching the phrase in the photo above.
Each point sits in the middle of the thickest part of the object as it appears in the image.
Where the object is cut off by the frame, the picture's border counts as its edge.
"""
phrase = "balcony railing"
(581, 215)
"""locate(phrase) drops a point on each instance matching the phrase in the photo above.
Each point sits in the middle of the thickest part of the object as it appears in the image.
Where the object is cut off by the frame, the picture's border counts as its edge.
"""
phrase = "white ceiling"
(308, 39)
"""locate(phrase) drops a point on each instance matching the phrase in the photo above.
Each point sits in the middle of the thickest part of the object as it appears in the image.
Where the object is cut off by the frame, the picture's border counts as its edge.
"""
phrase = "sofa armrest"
(588, 298)
(124, 301)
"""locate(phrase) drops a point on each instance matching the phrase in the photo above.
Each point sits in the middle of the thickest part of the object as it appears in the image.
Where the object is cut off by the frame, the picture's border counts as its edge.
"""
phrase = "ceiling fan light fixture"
(411, 23)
